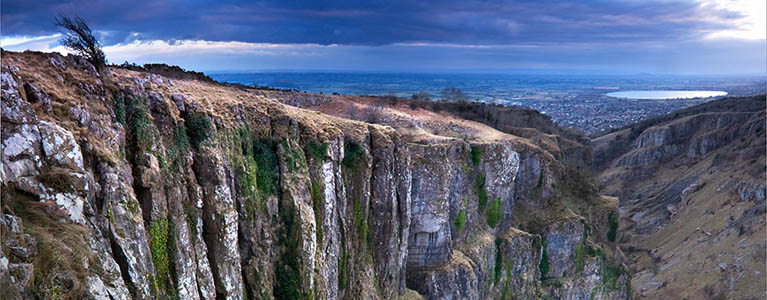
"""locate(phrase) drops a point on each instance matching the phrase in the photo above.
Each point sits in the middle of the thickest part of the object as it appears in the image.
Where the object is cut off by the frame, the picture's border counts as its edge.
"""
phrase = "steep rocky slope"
(136, 186)
(692, 199)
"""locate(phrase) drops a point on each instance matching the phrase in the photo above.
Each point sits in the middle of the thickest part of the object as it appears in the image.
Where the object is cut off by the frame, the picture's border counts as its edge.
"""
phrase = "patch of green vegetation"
(610, 274)
(267, 175)
(553, 282)
(317, 206)
(498, 261)
(460, 221)
(361, 222)
(178, 147)
(132, 205)
(287, 284)
(294, 157)
(543, 266)
(579, 260)
(479, 189)
(110, 215)
(161, 255)
(494, 213)
(200, 128)
(613, 231)
(118, 107)
(353, 155)
(476, 155)
(248, 185)
(318, 152)
(342, 277)
(594, 292)
(140, 125)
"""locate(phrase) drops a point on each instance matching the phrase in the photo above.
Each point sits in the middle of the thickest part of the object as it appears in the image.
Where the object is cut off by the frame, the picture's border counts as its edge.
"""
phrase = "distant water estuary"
(664, 95)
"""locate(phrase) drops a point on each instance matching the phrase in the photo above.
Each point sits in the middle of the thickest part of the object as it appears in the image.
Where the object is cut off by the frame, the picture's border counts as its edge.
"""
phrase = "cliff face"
(136, 186)
(692, 198)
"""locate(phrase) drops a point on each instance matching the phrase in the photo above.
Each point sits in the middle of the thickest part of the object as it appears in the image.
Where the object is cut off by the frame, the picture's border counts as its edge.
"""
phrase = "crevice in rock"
(122, 262)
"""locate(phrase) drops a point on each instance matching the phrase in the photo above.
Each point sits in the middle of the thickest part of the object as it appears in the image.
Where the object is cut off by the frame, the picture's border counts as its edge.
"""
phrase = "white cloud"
(753, 25)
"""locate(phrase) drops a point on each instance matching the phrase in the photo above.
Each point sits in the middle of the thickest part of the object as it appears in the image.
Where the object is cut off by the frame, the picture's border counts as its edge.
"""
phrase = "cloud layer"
(379, 22)
(661, 35)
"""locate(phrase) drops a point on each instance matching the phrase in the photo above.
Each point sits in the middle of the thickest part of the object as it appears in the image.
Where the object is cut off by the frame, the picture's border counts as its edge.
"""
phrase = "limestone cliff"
(692, 200)
(131, 185)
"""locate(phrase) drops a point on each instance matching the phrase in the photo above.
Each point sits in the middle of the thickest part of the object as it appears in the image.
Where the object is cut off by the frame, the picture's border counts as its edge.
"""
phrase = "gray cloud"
(377, 22)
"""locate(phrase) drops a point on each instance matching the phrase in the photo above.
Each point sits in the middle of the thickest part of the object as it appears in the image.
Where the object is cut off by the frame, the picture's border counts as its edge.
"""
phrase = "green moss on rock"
(494, 213)
(460, 221)
(479, 189)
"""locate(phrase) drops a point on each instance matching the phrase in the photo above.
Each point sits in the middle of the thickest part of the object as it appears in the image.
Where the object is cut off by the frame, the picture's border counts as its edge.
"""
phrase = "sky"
(716, 37)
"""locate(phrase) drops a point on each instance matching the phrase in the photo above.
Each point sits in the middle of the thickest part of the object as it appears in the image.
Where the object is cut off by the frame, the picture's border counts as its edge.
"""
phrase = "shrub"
(267, 176)
(543, 266)
(610, 274)
(140, 125)
(353, 153)
(294, 158)
(613, 231)
(494, 213)
(178, 148)
(476, 155)
(200, 128)
(118, 106)
(318, 152)
(479, 189)
(287, 284)
(460, 221)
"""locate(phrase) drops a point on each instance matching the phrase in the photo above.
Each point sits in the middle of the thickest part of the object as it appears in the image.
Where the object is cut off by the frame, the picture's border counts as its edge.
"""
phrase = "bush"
(140, 125)
(494, 213)
(476, 155)
(353, 154)
(479, 189)
(318, 152)
(267, 176)
(199, 127)
(613, 231)
(118, 106)
(543, 267)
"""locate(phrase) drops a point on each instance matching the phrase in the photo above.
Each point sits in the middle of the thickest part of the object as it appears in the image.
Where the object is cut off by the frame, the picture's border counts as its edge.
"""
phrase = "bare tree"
(79, 37)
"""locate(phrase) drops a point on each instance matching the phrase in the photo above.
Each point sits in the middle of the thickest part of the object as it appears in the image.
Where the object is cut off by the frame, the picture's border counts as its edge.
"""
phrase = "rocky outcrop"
(152, 190)
(691, 189)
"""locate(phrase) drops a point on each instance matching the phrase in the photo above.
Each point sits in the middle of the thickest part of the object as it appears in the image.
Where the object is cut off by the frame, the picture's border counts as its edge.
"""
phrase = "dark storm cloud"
(375, 22)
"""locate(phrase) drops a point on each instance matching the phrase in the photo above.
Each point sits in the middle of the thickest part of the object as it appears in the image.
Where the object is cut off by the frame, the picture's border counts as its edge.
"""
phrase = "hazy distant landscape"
(577, 101)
